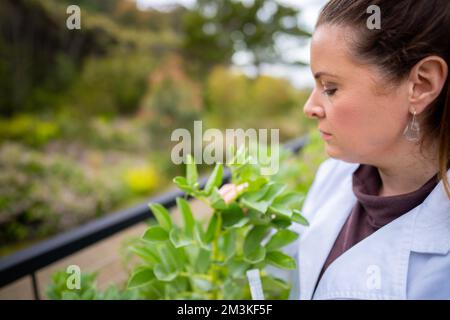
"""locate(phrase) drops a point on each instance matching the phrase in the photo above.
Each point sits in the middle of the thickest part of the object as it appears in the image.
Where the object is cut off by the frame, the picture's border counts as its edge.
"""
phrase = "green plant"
(193, 261)
(58, 289)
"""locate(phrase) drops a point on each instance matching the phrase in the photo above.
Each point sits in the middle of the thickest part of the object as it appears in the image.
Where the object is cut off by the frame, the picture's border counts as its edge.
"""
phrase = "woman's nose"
(312, 109)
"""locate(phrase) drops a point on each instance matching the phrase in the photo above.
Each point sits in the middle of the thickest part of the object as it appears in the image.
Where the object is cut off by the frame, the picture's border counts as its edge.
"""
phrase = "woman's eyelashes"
(329, 91)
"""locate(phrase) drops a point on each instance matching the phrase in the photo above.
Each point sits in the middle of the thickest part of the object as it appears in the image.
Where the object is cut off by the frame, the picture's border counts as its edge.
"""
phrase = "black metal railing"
(28, 261)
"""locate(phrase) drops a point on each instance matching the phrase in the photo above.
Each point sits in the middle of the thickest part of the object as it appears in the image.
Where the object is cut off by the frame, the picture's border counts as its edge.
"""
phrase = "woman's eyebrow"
(317, 75)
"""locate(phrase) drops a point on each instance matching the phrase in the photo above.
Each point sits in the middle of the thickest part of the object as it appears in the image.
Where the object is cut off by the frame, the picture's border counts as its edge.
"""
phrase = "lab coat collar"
(432, 228)
(426, 229)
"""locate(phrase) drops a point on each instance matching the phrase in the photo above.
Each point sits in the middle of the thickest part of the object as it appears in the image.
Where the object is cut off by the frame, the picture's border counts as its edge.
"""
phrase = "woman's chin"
(331, 150)
(336, 153)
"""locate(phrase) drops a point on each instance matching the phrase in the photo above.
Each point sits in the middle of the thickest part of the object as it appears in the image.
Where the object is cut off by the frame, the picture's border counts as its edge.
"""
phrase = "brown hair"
(410, 31)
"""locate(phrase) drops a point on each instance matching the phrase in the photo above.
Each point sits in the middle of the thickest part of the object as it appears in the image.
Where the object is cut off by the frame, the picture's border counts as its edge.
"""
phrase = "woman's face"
(364, 116)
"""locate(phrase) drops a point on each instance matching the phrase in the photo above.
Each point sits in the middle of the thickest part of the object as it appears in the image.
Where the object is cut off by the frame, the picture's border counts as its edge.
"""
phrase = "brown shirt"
(371, 212)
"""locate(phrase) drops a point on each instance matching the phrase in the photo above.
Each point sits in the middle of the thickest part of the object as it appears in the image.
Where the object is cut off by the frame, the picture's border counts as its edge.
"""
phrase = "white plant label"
(255, 284)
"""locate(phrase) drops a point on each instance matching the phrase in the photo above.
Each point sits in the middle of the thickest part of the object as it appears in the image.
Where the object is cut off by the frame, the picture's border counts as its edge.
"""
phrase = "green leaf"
(89, 295)
(215, 179)
(281, 239)
(191, 171)
(189, 295)
(270, 283)
(237, 267)
(260, 206)
(289, 199)
(277, 288)
(258, 218)
(199, 236)
(182, 184)
(147, 253)
(256, 255)
(256, 184)
(232, 290)
(281, 222)
(233, 217)
(252, 244)
(202, 284)
(257, 195)
(280, 210)
(203, 261)
(179, 239)
(216, 200)
(155, 234)
(248, 173)
(262, 199)
(211, 231)
(229, 243)
(171, 257)
(275, 189)
(162, 273)
(238, 156)
(280, 260)
(170, 292)
(188, 218)
(69, 295)
(140, 277)
(297, 217)
(162, 215)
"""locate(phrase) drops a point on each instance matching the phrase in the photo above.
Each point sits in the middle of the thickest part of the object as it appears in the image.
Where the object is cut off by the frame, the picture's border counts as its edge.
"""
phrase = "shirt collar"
(382, 210)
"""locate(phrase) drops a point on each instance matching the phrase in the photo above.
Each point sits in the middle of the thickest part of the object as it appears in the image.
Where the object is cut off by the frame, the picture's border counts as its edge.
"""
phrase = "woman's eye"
(329, 92)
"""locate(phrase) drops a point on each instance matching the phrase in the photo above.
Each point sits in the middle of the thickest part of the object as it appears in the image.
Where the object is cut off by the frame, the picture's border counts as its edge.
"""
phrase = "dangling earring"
(412, 130)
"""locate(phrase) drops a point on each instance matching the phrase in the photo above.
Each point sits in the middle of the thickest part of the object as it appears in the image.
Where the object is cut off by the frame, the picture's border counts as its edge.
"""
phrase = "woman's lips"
(325, 135)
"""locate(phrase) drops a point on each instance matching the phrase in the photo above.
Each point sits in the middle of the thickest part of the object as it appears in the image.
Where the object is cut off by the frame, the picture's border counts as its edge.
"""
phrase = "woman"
(379, 208)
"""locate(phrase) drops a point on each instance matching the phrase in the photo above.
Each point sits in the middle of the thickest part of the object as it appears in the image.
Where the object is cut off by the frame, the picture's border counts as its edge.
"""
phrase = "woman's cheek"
(352, 130)
(347, 120)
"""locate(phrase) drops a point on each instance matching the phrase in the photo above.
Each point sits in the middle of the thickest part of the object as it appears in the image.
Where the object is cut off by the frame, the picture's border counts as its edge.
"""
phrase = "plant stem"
(195, 275)
(215, 255)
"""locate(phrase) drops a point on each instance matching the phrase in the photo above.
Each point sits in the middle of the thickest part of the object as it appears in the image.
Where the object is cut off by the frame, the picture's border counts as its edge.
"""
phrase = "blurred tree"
(104, 6)
(263, 99)
(224, 104)
(126, 12)
(172, 101)
(110, 85)
(215, 29)
(273, 96)
(39, 55)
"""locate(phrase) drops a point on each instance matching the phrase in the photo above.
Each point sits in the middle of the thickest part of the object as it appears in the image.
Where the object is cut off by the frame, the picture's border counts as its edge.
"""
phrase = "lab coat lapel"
(317, 241)
(432, 229)
(375, 268)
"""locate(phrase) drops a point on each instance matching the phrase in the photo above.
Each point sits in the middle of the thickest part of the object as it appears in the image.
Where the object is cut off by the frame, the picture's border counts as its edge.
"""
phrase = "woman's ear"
(427, 79)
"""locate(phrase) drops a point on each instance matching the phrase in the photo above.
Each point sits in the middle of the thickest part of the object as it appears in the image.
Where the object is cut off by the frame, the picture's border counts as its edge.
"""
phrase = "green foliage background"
(86, 115)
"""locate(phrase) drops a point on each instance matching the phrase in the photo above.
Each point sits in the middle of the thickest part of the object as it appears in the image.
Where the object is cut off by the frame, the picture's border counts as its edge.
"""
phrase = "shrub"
(173, 101)
(142, 179)
(263, 99)
(29, 129)
(42, 193)
(111, 85)
(227, 95)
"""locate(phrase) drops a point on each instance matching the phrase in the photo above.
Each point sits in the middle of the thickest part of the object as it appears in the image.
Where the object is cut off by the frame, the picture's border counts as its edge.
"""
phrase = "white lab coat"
(406, 259)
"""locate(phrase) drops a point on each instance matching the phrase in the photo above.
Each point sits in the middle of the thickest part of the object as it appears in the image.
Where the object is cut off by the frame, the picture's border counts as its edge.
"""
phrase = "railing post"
(35, 284)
